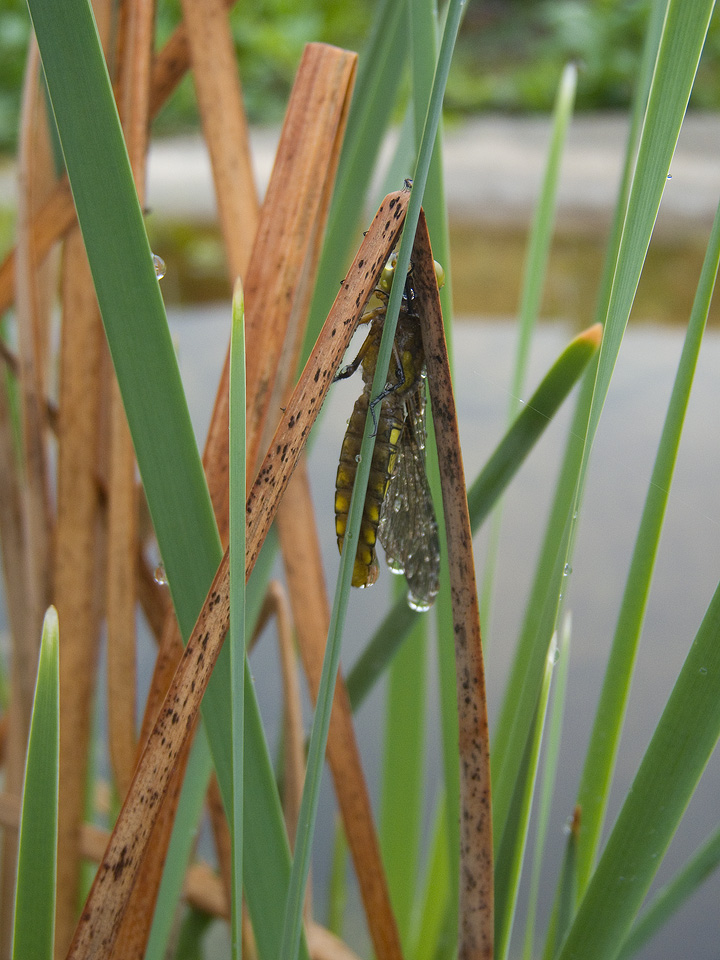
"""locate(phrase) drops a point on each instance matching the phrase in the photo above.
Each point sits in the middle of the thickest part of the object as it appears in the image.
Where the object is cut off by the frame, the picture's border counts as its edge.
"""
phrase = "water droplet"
(567, 570)
(560, 596)
(416, 603)
(702, 671)
(669, 176)
(159, 575)
(358, 458)
(159, 265)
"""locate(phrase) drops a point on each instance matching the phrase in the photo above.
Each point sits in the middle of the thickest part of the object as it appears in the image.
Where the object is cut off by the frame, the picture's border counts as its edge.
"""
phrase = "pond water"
(688, 565)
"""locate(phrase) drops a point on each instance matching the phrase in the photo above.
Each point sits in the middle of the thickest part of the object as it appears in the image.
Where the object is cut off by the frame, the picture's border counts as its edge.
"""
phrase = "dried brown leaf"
(476, 852)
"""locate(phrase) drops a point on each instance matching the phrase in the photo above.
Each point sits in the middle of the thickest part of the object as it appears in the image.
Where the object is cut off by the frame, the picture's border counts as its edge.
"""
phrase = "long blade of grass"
(237, 609)
(533, 282)
(602, 751)
(483, 495)
(432, 907)
(403, 768)
(337, 888)
(567, 882)
(672, 896)
(34, 925)
(145, 363)
(671, 767)
(549, 774)
(679, 54)
(511, 846)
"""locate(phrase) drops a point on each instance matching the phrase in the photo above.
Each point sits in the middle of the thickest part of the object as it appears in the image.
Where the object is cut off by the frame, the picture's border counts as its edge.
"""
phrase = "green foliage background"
(509, 54)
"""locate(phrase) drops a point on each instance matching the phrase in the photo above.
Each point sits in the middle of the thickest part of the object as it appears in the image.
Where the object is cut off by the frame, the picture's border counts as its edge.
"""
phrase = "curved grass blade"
(683, 741)
(511, 847)
(431, 920)
(673, 895)
(552, 756)
(34, 924)
(604, 742)
(483, 494)
(533, 283)
(403, 774)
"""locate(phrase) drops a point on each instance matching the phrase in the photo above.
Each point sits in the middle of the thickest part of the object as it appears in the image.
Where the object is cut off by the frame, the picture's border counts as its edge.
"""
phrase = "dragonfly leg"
(349, 369)
(389, 388)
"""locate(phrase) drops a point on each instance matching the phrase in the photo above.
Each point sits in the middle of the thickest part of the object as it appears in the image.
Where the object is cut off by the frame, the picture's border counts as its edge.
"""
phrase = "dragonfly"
(398, 508)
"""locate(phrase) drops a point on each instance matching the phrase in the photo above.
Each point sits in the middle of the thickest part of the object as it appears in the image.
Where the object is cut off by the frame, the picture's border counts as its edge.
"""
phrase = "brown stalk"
(301, 554)
(170, 66)
(476, 931)
(115, 878)
(77, 567)
(217, 85)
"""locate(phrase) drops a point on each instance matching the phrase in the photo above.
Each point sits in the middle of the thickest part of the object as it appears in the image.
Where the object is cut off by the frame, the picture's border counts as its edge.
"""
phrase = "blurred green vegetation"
(509, 56)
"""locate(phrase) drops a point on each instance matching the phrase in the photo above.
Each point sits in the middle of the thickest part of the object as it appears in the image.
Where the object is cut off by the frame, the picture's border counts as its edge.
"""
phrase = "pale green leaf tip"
(50, 625)
(591, 336)
(238, 301)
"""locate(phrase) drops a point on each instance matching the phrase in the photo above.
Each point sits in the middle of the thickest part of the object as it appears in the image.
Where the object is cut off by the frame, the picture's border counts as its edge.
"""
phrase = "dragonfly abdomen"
(389, 431)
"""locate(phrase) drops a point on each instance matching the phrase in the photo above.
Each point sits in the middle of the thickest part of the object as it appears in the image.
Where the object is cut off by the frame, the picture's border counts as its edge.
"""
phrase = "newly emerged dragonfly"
(398, 507)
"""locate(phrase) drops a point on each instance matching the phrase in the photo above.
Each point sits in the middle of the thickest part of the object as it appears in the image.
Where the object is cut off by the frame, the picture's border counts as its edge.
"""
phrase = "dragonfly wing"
(408, 528)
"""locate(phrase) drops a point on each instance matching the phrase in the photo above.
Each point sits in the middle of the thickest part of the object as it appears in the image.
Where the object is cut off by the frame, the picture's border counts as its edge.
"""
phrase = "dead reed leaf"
(476, 852)
(115, 878)
(311, 611)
